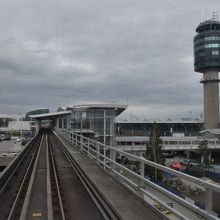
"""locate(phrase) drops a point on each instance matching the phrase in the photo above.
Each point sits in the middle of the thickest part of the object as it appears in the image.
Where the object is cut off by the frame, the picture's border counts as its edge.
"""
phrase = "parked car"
(17, 140)
(25, 141)
(10, 154)
(186, 162)
(177, 166)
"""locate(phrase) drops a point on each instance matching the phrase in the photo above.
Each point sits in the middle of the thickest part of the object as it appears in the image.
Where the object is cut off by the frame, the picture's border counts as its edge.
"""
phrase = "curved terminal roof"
(38, 111)
(117, 107)
(49, 115)
(208, 26)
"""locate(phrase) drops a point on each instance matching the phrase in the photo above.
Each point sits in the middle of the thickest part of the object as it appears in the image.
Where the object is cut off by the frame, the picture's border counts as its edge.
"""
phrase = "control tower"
(207, 61)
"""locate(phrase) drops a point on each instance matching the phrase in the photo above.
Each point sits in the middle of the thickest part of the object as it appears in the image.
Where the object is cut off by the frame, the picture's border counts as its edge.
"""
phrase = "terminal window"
(215, 52)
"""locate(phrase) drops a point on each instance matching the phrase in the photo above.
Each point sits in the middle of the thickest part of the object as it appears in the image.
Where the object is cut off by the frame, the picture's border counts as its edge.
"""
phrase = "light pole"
(21, 124)
(82, 117)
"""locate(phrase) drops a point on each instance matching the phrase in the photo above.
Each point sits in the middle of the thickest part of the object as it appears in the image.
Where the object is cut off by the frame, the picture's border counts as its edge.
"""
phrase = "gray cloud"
(57, 53)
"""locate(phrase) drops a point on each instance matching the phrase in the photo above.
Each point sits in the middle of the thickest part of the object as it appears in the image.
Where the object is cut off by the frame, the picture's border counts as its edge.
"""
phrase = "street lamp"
(21, 124)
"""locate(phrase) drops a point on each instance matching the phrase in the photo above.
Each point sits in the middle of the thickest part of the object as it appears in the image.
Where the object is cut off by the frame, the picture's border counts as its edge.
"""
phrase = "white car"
(18, 140)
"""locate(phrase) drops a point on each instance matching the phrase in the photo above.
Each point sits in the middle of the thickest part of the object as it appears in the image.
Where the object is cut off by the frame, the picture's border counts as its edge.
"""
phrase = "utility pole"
(21, 125)
(154, 149)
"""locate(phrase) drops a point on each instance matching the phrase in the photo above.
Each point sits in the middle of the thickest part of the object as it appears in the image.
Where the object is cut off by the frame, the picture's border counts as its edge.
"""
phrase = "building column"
(62, 123)
(68, 122)
(104, 127)
(37, 125)
(188, 153)
(57, 123)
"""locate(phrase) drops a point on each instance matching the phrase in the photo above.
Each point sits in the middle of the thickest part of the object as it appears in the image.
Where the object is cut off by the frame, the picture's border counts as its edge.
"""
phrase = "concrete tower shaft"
(207, 61)
(211, 99)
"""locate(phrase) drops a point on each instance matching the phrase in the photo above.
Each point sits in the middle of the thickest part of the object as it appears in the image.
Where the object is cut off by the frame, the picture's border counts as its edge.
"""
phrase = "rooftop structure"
(117, 107)
(51, 115)
(35, 112)
(96, 120)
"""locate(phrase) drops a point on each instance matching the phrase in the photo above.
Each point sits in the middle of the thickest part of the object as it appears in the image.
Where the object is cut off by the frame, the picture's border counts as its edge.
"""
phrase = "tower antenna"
(215, 16)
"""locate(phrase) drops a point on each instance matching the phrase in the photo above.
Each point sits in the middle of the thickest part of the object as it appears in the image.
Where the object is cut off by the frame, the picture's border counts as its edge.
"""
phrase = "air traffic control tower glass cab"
(207, 47)
(96, 121)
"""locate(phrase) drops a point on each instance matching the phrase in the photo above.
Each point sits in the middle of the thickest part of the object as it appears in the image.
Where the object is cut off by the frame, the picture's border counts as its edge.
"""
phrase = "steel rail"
(107, 211)
(22, 189)
(24, 210)
(53, 171)
(49, 193)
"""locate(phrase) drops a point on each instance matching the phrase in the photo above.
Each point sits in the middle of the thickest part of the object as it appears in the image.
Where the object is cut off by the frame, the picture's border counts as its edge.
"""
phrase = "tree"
(204, 153)
(154, 153)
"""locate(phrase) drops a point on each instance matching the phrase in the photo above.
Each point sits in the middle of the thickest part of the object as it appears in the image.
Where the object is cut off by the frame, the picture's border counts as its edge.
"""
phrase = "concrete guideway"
(97, 151)
(75, 198)
(37, 189)
(127, 205)
(52, 187)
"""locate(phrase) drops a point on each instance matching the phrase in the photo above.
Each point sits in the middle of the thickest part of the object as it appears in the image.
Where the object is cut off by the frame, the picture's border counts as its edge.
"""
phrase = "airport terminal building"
(99, 122)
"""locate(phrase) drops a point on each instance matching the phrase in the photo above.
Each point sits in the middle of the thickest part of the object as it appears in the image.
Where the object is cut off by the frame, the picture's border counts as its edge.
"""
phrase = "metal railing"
(105, 156)
(12, 167)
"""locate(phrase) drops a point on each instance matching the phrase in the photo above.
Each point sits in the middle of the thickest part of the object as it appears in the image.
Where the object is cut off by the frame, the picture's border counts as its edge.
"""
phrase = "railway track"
(54, 187)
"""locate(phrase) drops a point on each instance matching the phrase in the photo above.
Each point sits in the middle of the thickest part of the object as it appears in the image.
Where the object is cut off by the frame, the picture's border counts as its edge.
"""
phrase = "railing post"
(142, 166)
(78, 141)
(98, 151)
(72, 138)
(208, 200)
(113, 157)
(75, 139)
(69, 136)
(88, 143)
(81, 142)
(104, 160)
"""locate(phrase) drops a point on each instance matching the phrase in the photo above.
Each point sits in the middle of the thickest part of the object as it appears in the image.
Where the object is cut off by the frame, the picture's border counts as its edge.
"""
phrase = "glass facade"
(207, 47)
(166, 129)
(97, 122)
(4, 122)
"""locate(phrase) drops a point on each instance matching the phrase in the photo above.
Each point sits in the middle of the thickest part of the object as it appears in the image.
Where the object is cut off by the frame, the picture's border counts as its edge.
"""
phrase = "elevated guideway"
(107, 189)
(181, 207)
(48, 180)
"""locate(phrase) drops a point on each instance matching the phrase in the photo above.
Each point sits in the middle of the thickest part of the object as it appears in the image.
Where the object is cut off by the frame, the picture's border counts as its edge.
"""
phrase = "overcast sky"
(137, 52)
